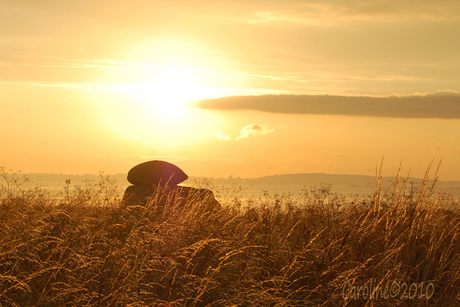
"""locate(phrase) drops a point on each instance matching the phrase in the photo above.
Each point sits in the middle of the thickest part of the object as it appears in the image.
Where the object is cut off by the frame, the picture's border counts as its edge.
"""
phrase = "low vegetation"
(82, 248)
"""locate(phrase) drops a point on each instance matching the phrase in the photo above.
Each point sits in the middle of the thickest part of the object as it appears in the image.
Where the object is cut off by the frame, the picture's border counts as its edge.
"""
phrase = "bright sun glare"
(166, 81)
(157, 88)
(167, 96)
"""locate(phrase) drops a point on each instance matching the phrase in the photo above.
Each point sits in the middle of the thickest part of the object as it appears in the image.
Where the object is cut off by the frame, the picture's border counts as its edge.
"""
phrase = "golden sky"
(90, 86)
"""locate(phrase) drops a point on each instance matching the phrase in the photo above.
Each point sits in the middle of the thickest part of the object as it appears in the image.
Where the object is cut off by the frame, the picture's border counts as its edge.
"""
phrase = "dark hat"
(156, 173)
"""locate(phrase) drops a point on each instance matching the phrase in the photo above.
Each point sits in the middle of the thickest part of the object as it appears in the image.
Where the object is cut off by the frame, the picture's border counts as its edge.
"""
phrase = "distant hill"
(317, 178)
(310, 179)
(307, 179)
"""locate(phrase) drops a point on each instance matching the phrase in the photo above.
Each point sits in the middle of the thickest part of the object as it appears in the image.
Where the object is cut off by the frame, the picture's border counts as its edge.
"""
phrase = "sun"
(159, 110)
(167, 96)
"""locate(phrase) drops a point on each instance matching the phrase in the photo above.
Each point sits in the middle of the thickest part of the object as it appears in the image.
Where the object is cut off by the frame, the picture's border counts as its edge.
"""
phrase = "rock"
(155, 185)
(139, 197)
(153, 173)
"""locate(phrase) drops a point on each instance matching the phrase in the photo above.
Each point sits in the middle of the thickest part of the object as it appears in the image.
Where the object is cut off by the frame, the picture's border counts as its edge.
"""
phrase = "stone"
(138, 195)
(155, 185)
(153, 173)
(138, 198)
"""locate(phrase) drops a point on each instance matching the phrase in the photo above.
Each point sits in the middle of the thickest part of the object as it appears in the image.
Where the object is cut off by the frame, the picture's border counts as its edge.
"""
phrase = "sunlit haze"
(230, 88)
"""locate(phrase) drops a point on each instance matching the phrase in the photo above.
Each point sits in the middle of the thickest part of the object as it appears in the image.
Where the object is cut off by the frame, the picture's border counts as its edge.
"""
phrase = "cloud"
(254, 130)
(323, 13)
(444, 105)
(222, 136)
(249, 130)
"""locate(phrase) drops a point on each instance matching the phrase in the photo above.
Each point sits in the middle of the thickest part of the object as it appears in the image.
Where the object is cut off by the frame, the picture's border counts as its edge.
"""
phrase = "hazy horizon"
(295, 185)
(307, 179)
(234, 88)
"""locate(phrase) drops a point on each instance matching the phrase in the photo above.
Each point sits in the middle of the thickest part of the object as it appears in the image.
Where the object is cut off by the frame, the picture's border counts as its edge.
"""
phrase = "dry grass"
(84, 249)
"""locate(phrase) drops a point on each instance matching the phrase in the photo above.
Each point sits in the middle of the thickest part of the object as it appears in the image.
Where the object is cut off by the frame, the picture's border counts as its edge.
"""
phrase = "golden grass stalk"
(83, 248)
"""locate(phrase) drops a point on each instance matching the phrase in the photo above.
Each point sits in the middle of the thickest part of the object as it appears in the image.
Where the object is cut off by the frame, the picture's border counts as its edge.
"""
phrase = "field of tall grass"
(83, 248)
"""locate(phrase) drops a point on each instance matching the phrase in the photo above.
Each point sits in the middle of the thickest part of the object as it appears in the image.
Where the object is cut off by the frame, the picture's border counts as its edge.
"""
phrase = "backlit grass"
(83, 248)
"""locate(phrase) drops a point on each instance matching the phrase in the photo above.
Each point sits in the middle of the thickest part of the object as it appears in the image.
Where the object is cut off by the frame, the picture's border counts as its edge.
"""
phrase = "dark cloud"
(439, 105)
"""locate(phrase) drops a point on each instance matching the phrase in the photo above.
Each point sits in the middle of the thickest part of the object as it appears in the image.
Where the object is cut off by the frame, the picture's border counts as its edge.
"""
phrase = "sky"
(220, 88)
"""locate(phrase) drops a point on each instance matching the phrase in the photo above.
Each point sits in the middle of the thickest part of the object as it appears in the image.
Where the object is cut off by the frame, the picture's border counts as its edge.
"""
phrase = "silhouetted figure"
(156, 182)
